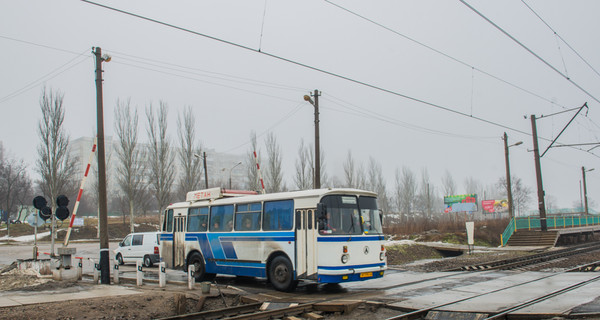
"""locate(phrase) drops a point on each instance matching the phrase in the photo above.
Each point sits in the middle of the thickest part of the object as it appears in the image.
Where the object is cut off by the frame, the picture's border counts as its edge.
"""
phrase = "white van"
(140, 246)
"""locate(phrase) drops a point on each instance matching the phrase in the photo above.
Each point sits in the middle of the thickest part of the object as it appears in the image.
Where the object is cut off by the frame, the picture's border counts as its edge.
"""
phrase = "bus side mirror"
(121, 244)
(381, 216)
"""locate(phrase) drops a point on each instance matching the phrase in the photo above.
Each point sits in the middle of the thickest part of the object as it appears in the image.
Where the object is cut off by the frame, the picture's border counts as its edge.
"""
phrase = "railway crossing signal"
(62, 212)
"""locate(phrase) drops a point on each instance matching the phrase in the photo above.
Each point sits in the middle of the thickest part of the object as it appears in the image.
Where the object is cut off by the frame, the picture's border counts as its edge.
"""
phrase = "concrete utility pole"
(508, 184)
(317, 174)
(538, 174)
(583, 171)
(103, 221)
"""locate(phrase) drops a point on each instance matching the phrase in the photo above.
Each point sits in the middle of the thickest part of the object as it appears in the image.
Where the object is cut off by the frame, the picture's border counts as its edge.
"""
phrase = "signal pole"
(103, 220)
(538, 174)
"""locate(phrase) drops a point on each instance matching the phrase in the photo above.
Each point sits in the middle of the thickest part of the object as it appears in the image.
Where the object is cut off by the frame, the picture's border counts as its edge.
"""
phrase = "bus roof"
(311, 193)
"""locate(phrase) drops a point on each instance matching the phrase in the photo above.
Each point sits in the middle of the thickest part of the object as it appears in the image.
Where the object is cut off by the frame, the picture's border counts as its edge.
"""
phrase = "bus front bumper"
(351, 274)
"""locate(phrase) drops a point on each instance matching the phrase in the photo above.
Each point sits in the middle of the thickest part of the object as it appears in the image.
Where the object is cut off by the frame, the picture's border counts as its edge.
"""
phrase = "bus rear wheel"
(199, 269)
(281, 274)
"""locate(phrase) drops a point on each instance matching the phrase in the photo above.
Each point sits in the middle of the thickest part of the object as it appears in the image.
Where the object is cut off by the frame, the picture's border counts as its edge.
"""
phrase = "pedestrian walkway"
(20, 298)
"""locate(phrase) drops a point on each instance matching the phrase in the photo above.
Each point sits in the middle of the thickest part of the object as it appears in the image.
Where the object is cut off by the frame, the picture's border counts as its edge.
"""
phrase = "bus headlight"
(344, 258)
(381, 256)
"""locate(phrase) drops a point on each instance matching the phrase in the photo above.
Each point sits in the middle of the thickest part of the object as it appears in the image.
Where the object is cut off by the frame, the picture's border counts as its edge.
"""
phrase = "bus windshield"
(341, 215)
(371, 218)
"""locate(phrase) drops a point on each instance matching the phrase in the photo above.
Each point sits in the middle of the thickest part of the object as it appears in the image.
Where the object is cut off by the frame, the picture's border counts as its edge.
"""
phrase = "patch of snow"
(28, 238)
(399, 242)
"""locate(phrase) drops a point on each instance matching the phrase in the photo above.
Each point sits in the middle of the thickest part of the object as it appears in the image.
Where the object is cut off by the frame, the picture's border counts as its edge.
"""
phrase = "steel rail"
(422, 312)
(503, 313)
(218, 313)
(529, 259)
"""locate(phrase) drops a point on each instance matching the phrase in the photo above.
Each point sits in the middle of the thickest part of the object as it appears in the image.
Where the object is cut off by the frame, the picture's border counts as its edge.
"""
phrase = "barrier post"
(96, 269)
(116, 279)
(501, 241)
(139, 273)
(191, 277)
(529, 221)
(162, 275)
(80, 269)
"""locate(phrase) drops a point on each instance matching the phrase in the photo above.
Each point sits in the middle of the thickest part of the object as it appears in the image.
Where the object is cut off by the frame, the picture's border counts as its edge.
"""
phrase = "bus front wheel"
(281, 274)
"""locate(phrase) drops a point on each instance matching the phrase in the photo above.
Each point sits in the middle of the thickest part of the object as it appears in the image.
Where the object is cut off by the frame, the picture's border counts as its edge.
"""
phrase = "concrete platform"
(415, 291)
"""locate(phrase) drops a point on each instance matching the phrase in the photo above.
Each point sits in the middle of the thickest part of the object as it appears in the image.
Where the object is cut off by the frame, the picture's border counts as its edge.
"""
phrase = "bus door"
(179, 224)
(306, 244)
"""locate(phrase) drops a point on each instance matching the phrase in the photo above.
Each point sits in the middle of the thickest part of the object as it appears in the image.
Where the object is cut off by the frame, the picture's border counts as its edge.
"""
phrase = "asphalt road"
(87, 250)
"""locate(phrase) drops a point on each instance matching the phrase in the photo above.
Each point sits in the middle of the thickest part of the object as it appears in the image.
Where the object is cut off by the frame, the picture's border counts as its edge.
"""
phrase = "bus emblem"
(366, 250)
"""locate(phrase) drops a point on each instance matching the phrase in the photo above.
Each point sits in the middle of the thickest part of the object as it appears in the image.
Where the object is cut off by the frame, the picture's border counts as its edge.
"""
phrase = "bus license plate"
(366, 274)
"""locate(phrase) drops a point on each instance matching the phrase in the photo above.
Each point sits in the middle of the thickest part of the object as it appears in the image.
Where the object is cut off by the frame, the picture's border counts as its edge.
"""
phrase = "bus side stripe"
(347, 239)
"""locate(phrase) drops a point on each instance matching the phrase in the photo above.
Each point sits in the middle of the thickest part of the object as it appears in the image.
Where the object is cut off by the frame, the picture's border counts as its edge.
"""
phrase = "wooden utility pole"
(317, 172)
(508, 184)
(538, 174)
(205, 171)
(585, 190)
(317, 143)
(103, 221)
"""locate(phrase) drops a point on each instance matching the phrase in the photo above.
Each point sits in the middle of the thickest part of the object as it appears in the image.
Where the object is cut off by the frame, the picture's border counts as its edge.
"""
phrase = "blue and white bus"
(324, 235)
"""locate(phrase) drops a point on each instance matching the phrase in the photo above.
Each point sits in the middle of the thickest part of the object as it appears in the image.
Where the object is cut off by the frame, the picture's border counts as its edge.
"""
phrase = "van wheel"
(281, 274)
(120, 259)
(147, 261)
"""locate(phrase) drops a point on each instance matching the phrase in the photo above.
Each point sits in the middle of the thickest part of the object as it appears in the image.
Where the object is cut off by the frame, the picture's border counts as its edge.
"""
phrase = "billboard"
(460, 203)
(494, 206)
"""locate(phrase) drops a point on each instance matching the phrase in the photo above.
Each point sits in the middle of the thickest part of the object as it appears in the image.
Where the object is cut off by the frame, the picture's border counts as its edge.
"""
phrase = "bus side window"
(310, 222)
(197, 219)
(298, 220)
(278, 215)
(169, 221)
(221, 218)
(247, 216)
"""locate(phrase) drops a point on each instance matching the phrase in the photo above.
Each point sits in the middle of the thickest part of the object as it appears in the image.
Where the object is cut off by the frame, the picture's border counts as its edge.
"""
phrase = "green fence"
(552, 222)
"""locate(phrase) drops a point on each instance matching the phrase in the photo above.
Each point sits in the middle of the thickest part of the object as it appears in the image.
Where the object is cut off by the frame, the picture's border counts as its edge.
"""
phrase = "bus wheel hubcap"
(280, 273)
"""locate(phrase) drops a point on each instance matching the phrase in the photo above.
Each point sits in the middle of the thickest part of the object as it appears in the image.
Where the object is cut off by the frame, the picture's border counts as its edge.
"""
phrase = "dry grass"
(447, 229)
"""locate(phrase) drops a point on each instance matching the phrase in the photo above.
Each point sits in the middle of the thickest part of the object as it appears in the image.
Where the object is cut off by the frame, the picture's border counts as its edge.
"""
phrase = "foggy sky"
(234, 91)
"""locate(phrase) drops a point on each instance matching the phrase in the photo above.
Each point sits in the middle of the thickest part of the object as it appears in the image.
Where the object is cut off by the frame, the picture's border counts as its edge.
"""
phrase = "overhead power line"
(310, 67)
(529, 50)
(561, 38)
(464, 63)
(274, 56)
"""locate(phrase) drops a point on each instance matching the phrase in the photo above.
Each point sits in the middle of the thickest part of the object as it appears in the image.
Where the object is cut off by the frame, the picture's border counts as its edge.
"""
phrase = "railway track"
(531, 261)
(504, 313)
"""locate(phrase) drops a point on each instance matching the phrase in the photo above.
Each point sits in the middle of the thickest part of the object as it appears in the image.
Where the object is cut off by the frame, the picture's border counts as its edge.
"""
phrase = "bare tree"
(130, 167)
(425, 198)
(190, 178)
(406, 189)
(520, 192)
(252, 173)
(55, 166)
(376, 183)
(350, 175)
(15, 186)
(448, 184)
(311, 161)
(160, 158)
(303, 178)
(274, 173)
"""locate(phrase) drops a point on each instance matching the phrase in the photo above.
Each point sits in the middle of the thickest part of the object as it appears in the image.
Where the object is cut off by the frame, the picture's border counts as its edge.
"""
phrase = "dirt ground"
(150, 304)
